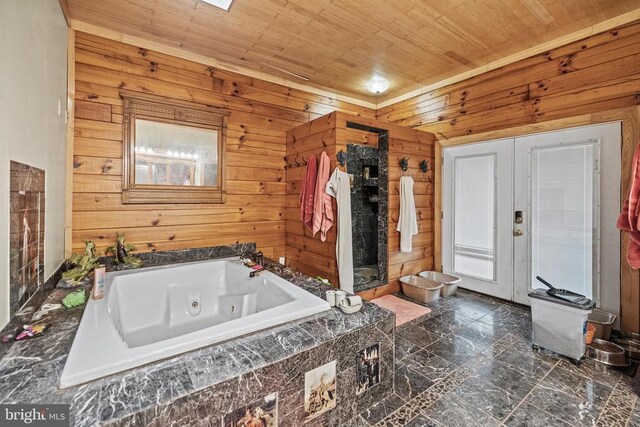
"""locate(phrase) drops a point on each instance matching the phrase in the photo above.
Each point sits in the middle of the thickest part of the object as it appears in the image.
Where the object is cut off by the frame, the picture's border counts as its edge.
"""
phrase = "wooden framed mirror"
(173, 151)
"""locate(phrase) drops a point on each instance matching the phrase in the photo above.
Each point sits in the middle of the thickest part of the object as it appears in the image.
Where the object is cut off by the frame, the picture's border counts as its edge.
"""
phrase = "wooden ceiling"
(340, 44)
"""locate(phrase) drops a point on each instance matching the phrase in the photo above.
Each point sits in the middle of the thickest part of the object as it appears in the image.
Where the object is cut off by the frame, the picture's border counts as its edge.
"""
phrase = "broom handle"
(545, 282)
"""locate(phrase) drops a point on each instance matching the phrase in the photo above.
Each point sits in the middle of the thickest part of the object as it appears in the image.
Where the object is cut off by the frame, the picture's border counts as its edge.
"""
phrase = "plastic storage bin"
(560, 325)
(603, 321)
(420, 289)
(450, 282)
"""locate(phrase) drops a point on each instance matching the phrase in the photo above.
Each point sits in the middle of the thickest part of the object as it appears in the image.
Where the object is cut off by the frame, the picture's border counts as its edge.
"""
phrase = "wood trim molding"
(437, 207)
(71, 94)
(66, 12)
(388, 289)
(630, 118)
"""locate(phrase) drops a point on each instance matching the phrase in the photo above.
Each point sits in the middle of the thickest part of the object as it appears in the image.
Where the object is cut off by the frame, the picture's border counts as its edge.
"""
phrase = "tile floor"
(470, 363)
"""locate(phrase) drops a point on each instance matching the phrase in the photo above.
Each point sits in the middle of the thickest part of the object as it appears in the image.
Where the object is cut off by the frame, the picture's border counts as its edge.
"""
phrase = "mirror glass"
(170, 154)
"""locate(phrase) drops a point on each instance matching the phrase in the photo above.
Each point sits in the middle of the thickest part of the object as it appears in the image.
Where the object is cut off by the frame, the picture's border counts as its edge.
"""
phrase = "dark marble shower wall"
(370, 206)
(364, 204)
(383, 205)
(26, 233)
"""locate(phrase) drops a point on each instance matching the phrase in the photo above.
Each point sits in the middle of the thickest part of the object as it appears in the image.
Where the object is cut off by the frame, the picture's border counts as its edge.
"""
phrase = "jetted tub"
(158, 312)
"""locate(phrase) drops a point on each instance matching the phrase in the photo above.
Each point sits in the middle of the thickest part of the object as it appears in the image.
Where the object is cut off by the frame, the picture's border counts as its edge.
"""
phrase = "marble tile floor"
(470, 363)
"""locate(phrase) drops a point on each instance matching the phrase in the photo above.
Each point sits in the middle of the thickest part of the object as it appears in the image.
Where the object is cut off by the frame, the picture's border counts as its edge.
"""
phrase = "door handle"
(517, 232)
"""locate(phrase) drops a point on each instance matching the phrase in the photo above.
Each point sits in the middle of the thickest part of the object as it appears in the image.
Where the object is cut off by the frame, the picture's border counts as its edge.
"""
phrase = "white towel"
(407, 222)
(340, 188)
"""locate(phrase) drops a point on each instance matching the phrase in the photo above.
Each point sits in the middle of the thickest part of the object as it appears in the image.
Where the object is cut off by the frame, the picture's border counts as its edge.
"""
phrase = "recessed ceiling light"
(222, 4)
(377, 84)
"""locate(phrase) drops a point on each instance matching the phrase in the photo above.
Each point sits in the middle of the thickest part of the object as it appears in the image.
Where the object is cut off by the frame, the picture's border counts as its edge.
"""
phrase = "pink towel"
(322, 209)
(629, 218)
(307, 193)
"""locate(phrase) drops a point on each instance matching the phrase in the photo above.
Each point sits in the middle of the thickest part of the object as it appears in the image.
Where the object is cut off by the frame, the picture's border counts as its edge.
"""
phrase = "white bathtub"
(158, 312)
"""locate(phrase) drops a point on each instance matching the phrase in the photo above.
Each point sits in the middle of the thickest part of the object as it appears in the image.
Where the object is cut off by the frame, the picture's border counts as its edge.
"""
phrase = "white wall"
(33, 79)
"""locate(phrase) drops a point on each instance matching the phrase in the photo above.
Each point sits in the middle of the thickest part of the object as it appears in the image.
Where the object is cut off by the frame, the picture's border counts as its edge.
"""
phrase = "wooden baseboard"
(388, 289)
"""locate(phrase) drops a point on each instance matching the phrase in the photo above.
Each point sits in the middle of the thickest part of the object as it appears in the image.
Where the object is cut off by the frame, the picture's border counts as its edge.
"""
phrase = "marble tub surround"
(202, 386)
(159, 312)
(150, 259)
(156, 258)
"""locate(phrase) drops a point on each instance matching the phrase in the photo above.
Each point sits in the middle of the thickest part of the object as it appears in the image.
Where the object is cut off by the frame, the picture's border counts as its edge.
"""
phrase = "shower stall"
(367, 166)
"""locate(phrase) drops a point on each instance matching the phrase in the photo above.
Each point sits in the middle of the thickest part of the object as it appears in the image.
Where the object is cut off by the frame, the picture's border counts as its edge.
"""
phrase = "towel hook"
(341, 157)
(424, 167)
(404, 165)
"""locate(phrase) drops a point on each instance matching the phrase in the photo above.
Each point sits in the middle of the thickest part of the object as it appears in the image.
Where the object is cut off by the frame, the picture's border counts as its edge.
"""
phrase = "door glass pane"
(474, 216)
(562, 207)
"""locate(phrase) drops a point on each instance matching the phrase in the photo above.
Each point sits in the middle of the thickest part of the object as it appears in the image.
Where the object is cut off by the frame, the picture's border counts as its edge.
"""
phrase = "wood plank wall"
(594, 76)
(261, 113)
(416, 147)
(304, 252)
(330, 134)
(599, 73)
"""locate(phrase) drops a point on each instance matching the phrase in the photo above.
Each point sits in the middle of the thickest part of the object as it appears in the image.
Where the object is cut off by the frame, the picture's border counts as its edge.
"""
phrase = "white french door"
(475, 225)
(558, 182)
(518, 208)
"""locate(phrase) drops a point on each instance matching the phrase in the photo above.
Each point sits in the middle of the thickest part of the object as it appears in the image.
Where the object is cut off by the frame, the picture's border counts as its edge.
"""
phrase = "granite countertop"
(30, 370)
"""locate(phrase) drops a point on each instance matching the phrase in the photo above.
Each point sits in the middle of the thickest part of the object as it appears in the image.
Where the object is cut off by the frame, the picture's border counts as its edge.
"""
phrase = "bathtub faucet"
(258, 258)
